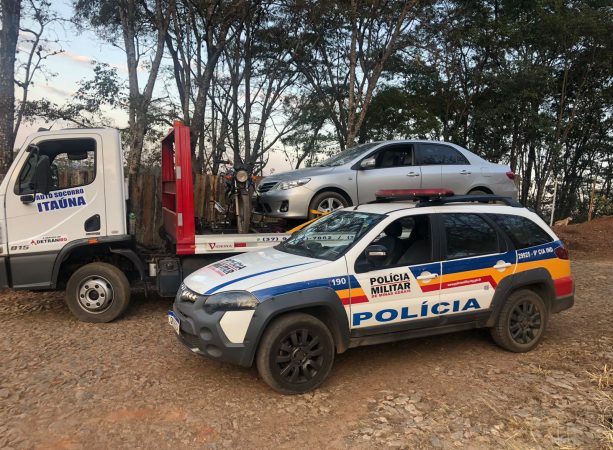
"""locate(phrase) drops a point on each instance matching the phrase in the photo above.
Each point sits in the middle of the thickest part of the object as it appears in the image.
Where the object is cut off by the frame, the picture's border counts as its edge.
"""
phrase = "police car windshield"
(330, 236)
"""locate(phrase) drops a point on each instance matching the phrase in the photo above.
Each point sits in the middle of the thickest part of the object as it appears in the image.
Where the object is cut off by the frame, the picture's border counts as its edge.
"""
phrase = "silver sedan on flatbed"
(353, 176)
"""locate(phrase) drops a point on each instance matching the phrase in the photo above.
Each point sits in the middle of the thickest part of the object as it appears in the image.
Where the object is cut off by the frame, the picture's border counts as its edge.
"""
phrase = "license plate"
(174, 321)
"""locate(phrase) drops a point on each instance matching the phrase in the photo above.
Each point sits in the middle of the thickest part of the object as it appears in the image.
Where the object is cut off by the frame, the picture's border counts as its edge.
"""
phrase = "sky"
(75, 64)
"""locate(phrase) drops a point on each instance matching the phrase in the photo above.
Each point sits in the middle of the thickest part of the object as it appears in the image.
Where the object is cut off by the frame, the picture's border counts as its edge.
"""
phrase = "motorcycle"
(239, 186)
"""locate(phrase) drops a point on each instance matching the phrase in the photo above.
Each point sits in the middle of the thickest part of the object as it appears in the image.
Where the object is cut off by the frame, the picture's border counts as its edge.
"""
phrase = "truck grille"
(266, 186)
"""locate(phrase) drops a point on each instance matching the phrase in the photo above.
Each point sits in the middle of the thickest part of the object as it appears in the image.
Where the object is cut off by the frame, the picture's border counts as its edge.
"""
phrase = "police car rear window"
(523, 232)
(469, 235)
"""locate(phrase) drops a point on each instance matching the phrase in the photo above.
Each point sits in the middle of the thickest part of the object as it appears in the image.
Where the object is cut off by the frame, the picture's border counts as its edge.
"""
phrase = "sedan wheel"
(327, 202)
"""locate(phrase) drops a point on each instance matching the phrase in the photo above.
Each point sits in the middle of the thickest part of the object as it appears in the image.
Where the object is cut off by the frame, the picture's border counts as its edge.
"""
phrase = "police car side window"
(523, 232)
(469, 235)
(407, 241)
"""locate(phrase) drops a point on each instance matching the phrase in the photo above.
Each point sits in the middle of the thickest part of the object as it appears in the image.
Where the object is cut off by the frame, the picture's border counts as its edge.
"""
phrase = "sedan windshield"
(331, 236)
(347, 155)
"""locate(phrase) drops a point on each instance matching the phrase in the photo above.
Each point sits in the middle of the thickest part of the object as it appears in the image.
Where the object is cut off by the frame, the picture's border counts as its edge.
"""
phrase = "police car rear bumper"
(562, 303)
(202, 334)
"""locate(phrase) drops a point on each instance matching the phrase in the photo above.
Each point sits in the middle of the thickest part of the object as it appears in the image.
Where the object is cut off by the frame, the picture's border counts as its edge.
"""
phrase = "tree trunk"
(11, 10)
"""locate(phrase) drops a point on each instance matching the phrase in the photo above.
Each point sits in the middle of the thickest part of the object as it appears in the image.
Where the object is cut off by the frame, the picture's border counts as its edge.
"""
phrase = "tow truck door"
(38, 225)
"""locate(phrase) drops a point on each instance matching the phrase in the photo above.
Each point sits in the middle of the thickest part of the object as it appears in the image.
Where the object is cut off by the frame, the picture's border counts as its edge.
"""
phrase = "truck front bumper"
(202, 334)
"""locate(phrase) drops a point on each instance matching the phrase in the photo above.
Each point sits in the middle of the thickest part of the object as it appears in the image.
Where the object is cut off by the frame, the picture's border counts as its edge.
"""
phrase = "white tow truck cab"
(63, 222)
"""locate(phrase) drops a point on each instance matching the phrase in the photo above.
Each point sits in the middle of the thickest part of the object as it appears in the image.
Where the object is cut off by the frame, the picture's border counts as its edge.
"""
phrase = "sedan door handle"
(427, 276)
(501, 265)
(412, 174)
(465, 172)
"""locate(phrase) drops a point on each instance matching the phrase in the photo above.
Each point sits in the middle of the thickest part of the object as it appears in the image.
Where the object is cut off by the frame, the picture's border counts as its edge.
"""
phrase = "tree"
(342, 51)
(142, 26)
(11, 13)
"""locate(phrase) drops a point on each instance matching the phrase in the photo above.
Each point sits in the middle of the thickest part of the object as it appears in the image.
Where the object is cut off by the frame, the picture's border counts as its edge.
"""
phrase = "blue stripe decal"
(222, 285)
(538, 252)
(476, 262)
(266, 293)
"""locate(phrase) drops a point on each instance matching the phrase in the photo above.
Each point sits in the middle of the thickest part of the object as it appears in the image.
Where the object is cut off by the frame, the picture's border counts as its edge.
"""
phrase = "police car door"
(39, 225)
(404, 288)
(475, 259)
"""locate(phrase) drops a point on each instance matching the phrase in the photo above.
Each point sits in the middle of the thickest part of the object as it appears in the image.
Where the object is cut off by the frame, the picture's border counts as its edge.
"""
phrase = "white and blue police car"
(375, 273)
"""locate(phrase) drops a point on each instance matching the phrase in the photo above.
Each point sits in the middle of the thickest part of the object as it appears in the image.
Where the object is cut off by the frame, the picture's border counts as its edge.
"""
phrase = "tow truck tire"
(98, 292)
(295, 354)
(521, 322)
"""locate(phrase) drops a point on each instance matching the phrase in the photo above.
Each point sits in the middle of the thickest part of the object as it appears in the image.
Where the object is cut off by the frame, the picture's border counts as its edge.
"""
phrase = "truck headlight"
(292, 184)
(230, 301)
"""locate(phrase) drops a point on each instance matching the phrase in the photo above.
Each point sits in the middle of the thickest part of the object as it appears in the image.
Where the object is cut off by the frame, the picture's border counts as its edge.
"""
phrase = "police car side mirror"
(376, 254)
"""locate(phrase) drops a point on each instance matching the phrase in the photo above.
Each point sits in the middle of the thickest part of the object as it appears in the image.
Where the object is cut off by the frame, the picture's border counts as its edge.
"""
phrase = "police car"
(415, 263)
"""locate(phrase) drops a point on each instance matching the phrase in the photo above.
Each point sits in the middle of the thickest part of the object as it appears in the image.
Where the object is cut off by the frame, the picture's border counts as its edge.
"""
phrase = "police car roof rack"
(438, 197)
(488, 198)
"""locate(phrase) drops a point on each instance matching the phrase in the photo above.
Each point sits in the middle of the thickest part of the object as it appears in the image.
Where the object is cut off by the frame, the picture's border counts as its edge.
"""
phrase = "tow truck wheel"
(295, 354)
(98, 292)
(521, 322)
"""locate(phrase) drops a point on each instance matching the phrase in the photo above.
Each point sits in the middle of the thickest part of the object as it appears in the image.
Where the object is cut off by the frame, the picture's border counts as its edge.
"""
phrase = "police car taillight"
(561, 252)
(413, 194)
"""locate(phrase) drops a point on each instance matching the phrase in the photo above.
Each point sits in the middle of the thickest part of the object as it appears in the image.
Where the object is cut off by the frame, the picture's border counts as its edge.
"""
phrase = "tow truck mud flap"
(4, 279)
(168, 277)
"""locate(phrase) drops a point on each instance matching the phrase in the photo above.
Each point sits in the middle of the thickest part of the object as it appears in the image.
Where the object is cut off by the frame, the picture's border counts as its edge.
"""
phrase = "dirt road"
(129, 384)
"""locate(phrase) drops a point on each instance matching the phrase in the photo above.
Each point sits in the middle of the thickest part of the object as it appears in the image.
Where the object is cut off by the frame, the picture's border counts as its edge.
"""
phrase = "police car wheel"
(98, 292)
(521, 322)
(295, 354)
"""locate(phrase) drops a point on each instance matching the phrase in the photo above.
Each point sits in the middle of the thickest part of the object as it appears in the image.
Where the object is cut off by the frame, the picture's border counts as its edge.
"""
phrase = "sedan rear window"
(437, 154)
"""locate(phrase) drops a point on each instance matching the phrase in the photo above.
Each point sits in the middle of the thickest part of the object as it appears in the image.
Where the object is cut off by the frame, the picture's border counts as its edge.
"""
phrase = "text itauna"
(60, 200)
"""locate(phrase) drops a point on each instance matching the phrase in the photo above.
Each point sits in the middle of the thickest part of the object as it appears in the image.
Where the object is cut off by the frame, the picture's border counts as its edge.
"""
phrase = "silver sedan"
(353, 176)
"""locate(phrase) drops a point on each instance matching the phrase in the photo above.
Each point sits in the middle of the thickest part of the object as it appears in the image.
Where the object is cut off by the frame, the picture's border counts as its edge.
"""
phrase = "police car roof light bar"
(489, 198)
(415, 195)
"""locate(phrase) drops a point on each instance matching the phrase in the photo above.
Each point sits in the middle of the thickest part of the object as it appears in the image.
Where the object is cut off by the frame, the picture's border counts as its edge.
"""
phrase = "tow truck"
(64, 222)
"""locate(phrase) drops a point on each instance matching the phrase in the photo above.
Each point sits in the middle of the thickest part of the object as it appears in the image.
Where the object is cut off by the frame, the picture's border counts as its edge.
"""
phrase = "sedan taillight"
(511, 175)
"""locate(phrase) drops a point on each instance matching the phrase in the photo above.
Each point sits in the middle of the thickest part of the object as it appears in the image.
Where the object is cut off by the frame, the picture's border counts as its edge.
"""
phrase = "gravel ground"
(130, 384)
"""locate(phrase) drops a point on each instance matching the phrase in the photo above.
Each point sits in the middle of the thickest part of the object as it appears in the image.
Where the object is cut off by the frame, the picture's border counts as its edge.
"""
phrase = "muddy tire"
(98, 292)
(295, 354)
(521, 323)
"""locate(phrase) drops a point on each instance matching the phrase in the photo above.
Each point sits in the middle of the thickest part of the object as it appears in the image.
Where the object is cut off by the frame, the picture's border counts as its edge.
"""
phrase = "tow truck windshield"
(331, 236)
